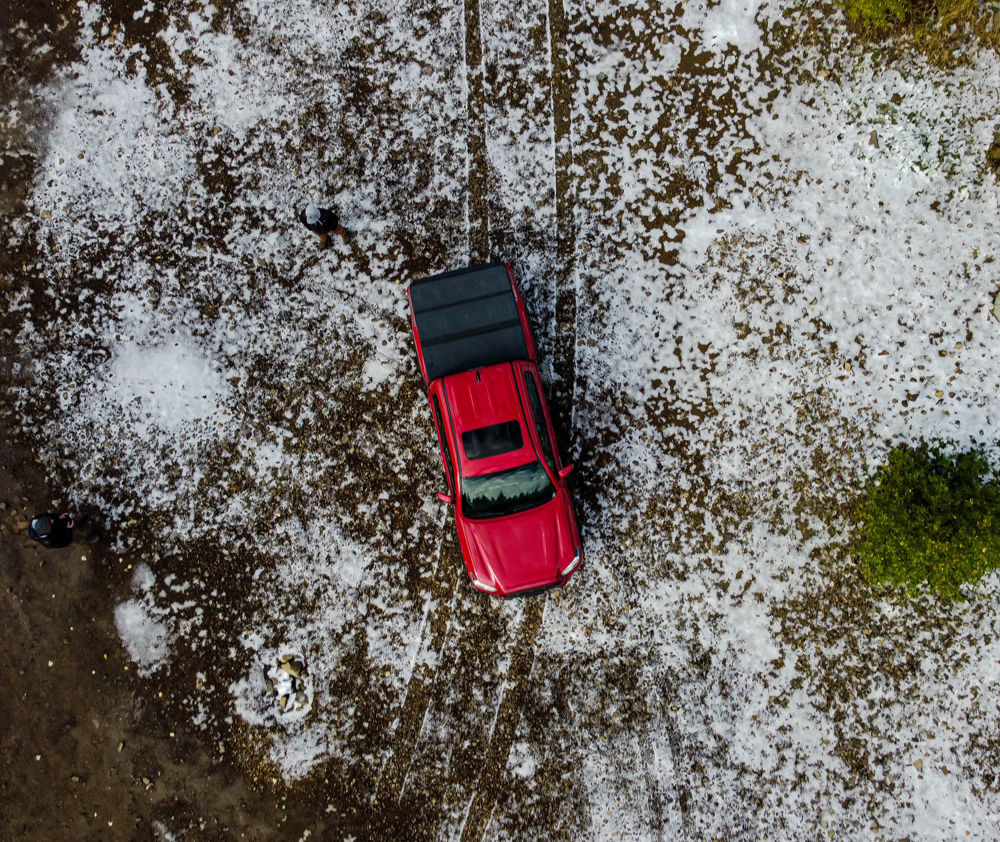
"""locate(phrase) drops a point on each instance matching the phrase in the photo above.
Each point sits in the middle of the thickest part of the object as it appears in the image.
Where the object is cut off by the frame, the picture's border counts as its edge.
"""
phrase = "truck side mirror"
(565, 472)
(446, 498)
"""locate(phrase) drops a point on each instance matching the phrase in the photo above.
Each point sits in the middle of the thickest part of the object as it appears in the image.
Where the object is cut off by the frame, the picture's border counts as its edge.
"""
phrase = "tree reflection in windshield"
(505, 492)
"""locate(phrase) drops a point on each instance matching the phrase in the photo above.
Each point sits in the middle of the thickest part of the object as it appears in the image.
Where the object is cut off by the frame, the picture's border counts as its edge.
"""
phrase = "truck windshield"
(506, 492)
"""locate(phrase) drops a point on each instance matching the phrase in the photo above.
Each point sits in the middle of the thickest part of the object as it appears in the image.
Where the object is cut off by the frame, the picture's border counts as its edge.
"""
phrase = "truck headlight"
(483, 586)
(573, 564)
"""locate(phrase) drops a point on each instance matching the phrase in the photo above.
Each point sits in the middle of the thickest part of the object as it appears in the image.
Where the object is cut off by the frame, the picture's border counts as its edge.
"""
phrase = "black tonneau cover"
(467, 319)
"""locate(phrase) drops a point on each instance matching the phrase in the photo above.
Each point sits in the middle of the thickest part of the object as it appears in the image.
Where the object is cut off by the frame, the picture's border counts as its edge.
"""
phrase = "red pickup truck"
(514, 513)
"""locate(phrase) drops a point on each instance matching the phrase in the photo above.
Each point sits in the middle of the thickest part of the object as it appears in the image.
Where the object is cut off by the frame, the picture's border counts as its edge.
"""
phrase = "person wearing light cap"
(322, 222)
(56, 531)
(52, 531)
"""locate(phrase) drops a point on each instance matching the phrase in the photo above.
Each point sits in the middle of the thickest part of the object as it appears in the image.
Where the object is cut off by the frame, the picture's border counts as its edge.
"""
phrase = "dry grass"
(944, 30)
(951, 25)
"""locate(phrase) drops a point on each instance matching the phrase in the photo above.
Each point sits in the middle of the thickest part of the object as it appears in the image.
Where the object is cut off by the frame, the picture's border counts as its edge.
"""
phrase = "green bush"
(878, 16)
(930, 516)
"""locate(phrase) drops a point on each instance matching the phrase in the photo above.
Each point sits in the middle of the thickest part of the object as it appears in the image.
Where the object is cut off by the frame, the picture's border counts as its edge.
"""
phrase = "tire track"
(419, 689)
(653, 785)
(564, 390)
(478, 212)
(669, 800)
(490, 785)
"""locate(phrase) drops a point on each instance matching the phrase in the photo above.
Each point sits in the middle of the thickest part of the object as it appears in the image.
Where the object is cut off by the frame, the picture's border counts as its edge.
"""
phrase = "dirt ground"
(80, 757)
(93, 750)
(88, 753)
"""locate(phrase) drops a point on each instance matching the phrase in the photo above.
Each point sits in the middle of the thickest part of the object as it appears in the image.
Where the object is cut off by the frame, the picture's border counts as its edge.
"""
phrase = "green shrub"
(878, 16)
(929, 516)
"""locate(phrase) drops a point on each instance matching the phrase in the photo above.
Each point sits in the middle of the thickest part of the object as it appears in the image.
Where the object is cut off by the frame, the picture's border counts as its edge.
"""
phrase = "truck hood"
(523, 550)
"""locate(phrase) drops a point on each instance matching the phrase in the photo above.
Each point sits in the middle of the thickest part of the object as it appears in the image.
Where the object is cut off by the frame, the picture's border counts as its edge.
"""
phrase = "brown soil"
(80, 757)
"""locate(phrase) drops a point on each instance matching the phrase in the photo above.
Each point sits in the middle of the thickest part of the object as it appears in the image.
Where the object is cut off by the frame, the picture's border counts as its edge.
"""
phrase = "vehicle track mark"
(681, 782)
(491, 780)
(564, 390)
(424, 689)
(653, 784)
(419, 690)
(478, 211)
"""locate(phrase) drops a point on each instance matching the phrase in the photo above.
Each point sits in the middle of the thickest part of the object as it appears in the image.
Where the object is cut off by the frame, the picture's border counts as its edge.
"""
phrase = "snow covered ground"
(754, 265)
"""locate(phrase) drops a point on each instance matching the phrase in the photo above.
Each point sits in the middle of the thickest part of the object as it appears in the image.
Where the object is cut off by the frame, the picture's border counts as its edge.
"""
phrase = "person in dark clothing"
(55, 531)
(52, 531)
(322, 222)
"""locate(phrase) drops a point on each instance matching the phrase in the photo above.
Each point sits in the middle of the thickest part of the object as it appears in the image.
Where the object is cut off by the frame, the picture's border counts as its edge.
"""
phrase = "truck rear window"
(493, 440)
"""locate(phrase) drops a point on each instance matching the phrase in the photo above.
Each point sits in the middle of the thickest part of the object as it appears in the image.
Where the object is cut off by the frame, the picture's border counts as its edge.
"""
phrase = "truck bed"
(466, 319)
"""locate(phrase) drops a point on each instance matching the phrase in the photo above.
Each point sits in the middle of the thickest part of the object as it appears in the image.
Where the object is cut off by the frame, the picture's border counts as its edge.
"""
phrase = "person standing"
(322, 222)
(51, 530)
(56, 531)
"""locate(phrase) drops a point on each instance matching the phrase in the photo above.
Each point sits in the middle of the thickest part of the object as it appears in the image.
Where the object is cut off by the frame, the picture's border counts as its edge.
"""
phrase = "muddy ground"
(82, 756)
(92, 750)
(88, 751)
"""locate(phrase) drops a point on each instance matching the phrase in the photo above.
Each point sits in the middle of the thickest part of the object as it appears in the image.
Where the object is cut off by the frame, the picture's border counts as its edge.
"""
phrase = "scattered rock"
(993, 155)
(873, 139)
(286, 686)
